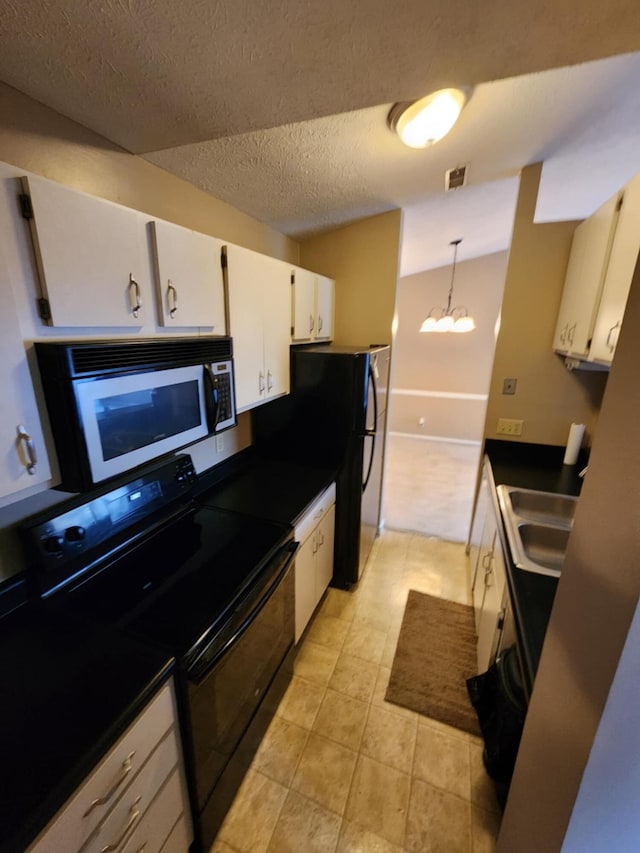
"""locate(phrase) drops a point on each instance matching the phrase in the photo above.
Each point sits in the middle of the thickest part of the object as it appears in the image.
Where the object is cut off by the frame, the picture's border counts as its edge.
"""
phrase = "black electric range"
(213, 588)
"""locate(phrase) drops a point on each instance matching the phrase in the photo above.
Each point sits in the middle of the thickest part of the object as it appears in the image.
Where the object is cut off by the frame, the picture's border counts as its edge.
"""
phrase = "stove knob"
(75, 534)
(54, 544)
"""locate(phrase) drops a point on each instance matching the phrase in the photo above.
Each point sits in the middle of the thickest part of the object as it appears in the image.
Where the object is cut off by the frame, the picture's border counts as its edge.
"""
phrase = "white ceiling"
(280, 107)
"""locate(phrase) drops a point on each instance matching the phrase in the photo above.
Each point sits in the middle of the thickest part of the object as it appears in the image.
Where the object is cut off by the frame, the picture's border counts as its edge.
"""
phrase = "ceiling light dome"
(421, 123)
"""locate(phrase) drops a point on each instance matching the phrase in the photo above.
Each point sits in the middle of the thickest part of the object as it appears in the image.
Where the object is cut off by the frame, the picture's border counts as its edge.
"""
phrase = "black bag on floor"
(498, 699)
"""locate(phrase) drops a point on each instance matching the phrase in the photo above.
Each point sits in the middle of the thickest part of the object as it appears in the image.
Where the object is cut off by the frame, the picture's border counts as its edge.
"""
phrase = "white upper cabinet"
(24, 460)
(584, 280)
(260, 324)
(622, 263)
(303, 298)
(190, 288)
(89, 257)
(325, 298)
(312, 298)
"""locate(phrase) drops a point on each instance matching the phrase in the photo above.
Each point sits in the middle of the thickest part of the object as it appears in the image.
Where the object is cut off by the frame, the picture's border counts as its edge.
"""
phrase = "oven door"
(130, 420)
(228, 682)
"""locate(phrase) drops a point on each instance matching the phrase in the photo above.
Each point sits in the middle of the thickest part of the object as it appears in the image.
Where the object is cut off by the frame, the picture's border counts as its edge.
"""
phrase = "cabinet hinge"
(292, 331)
(620, 203)
(293, 278)
(223, 257)
(44, 310)
(26, 208)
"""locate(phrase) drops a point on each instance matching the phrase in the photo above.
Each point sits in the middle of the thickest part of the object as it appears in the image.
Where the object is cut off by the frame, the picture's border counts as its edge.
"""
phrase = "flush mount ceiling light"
(449, 319)
(421, 123)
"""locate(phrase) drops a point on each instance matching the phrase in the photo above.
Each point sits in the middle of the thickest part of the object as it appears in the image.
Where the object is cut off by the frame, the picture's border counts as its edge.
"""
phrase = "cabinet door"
(303, 307)
(324, 307)
(491, 616)
(324, 556)
(277, 326)
(89, 258)
(478, 522)
(245, 293)
(485, 556)
(189, 282)
(19, 410)
(622, 263)
(305, 583)
(585, 278)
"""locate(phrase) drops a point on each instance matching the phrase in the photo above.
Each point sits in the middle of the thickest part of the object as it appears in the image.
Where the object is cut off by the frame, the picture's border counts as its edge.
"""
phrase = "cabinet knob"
(311, 323)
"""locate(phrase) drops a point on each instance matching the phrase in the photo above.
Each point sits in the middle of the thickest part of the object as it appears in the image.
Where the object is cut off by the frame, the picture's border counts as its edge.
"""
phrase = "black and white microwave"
(117, 404)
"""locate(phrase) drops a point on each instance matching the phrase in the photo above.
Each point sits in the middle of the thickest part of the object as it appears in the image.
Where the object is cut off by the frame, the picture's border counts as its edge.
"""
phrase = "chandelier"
(449, 319)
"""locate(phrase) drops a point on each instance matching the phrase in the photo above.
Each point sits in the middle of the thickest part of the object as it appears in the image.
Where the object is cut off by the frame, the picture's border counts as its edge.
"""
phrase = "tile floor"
(342, 770)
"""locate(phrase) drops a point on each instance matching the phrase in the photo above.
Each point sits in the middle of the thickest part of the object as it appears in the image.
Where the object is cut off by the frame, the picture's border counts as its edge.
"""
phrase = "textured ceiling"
(280, 107)
(152, 74)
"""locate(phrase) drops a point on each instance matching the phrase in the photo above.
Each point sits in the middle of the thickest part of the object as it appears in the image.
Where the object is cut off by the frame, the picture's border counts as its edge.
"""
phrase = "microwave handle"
(213, 398)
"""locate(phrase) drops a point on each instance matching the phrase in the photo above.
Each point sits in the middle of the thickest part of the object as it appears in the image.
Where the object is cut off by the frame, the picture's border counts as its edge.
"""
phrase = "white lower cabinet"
(135, 798)
(314, 560)
(489, 590)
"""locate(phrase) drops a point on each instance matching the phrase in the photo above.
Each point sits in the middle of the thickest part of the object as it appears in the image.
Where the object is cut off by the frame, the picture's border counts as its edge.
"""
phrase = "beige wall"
(42, 141)
(363, 258)
(548, 397)
(458, 364)
(596, 599)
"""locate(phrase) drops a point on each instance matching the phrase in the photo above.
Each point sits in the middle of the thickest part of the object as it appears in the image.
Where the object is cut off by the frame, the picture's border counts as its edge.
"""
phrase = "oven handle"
(200, 668)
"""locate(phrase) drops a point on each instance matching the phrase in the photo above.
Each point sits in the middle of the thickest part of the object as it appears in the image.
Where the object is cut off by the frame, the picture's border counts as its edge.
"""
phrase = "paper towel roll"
(574, 442)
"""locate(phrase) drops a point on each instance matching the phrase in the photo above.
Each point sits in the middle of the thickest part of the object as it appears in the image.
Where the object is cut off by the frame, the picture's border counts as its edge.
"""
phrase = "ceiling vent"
(455, 178)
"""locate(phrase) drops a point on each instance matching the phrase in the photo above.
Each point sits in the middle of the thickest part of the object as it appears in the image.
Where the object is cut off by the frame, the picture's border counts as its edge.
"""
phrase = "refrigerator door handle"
(374, 389)
(370, 433)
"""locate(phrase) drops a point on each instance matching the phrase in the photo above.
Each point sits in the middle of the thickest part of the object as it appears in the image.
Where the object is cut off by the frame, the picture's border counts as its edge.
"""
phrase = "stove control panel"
(87, 527)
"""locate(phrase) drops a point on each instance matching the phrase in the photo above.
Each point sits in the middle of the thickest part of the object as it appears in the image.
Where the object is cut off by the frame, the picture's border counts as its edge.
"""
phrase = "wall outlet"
(509, 426)
(219, 443)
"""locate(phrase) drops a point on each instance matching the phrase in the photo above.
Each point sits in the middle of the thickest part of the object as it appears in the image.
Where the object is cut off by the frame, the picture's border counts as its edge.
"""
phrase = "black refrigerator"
(335, 418)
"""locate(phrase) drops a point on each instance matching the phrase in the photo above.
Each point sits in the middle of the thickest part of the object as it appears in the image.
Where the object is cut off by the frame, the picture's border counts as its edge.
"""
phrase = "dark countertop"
(266, 488)
(531, 466)
(69, 690)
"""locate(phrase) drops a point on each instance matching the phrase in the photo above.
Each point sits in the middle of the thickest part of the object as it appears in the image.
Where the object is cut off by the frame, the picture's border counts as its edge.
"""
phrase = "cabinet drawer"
(179, 839)
(79, 817)
(162, 827)
(315, 512)
(128, 814)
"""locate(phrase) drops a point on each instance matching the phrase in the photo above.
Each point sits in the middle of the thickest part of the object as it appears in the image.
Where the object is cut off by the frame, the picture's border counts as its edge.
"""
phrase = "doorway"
(438, 400)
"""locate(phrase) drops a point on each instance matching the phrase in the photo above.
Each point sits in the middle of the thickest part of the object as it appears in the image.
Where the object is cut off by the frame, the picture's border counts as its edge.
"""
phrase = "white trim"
(448, 395)
(435, 438)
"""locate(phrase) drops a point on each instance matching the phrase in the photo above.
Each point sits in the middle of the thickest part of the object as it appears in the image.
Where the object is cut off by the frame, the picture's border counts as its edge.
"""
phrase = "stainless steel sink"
(538, 525)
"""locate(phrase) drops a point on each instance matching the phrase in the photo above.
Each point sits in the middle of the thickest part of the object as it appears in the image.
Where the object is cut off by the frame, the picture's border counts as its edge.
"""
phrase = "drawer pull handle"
(135, 814)
(127, 766)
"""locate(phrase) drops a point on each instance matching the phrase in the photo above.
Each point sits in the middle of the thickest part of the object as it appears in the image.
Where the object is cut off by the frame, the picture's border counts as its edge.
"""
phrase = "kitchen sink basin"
(538, 525)
(542, 507)
(543, 545)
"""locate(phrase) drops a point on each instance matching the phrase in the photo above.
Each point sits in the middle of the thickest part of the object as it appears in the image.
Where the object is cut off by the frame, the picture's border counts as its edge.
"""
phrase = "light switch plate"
(509, 386)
